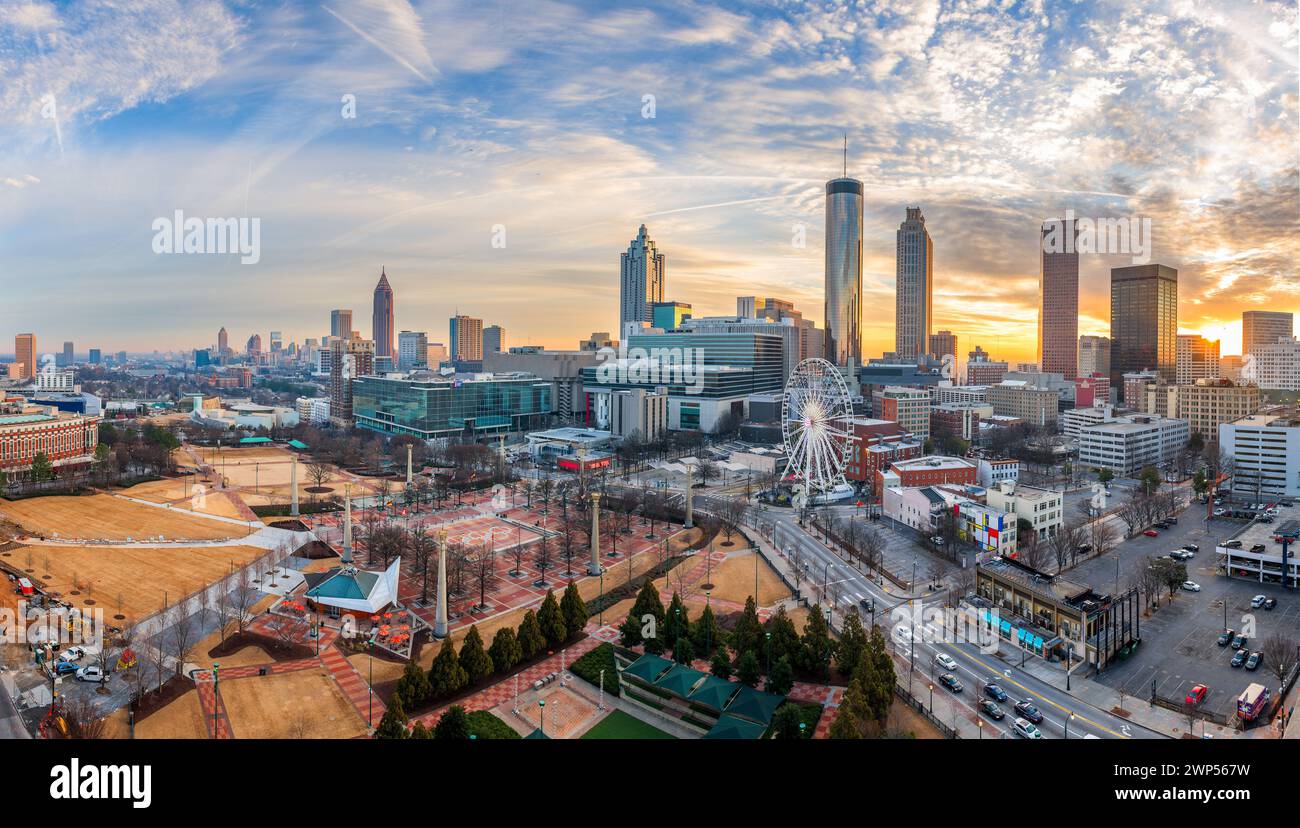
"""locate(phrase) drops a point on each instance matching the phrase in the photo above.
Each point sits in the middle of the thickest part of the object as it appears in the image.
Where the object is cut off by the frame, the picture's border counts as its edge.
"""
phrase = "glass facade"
(436, 408)
(1143, 322)
(844, 271)
(762, 354)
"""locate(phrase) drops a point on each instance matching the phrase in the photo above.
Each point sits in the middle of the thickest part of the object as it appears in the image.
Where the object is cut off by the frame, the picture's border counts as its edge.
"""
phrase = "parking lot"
(1180, 641)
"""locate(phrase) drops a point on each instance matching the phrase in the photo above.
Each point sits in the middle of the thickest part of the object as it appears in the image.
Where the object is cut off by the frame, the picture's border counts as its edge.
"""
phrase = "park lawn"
(620, 725)
(106, 517)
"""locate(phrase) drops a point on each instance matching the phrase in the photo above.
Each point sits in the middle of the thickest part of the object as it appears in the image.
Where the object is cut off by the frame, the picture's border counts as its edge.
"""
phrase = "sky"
(495, 158)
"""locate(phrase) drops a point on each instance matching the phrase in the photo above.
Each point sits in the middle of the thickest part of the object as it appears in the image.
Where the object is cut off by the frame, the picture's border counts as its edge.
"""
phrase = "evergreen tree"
(393, 725)
(880, 689)
(446, 676)
(748, 672)
(531, 640)
(630, 631)
(849, 723)
(684, 652)
(676, 622)
(817, 647)
(853, 641)
(574, 610)
(41, 469)
(473, 658)
(420, 731)
(505, 652)
(783, 639)
(648, 603)
(748, 636)
(551, 621)
(786, 721)
(454, 724)
(721, 664)
(413, 687)
(781, 679)
(706, 633)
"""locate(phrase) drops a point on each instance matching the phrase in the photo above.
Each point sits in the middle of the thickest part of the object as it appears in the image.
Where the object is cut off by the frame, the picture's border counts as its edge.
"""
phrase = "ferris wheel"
(815, 414)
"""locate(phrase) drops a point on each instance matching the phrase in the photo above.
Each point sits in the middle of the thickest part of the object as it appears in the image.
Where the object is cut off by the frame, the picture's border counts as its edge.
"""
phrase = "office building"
(563, 369)
(642, 412)
(1094, 355)
(668, 316)
(382, 318)
(641, 281)
(981, 370)
(1196, 358)
(340, 324)
(466, 339)
(909, 407)
(65, 357)
(929, 470)
(436, 354)
(1230, 367)
(1275, 367)
(1043, 509)
(25, 354)
(67, 439)
(843, 271)
(494, 339)
(812, 342)
(786, 329)
(876, 445)
(223, 342)
(941, 344)
(412, 350)
(1265, 452)
(483, 405)
(95, 356)
(1264, 328)
(1025, 401)
(914, 271)
(1058, 299)
(1127, 445)
(1209, 403)
(1143, 322)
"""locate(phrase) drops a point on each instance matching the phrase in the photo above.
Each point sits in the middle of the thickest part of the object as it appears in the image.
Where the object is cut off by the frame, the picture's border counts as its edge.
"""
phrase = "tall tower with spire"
(641, 281)
(382, 329)
(843, 273)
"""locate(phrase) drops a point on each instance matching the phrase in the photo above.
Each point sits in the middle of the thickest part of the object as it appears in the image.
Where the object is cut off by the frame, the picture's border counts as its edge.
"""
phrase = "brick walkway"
(210, 700)
(353, 685)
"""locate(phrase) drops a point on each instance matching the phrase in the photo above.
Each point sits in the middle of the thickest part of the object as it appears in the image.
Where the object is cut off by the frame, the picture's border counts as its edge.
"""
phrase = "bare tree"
(243, 596)
(482, 568)
(542, 557)
(181, 636)
(1280, 654)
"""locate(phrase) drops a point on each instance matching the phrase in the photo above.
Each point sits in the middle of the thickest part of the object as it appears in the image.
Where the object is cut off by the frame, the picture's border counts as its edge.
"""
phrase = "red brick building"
(932, 470)
(877, 444)
(68, 440)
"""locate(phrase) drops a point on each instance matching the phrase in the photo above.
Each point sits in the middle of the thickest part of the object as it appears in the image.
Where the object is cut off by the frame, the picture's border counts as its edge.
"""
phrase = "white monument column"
(408, 465)
(690, 495)
(440, 620)
(593, 567)
(293, 484)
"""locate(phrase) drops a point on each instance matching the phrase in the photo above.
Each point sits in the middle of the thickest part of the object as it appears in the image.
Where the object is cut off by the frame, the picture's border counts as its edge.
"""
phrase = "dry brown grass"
(181, 719)
(271, 707)
(105, 517)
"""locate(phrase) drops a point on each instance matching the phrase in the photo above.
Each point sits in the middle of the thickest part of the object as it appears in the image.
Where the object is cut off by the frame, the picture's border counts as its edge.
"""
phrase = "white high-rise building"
(412, 350)
(1265, 452)
(641, 281)
(1274, 367)
(914, 267)
(1094, 355)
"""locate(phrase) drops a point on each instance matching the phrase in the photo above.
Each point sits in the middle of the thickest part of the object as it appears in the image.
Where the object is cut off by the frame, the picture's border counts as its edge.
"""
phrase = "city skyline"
(450, 119)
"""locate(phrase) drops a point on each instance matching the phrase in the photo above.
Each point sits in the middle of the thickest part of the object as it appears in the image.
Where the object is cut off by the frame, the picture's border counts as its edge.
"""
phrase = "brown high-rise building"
(223, 341)
(1058, 299)
(382, 321)
(1143, 323)
(349, 358)
(1196, 358)
(914, 274)
(25, 354)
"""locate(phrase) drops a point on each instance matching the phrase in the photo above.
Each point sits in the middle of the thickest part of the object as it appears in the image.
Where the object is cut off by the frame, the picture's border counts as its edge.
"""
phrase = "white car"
(902, 634)
(92, 674)
(72, 654)
(1024, 728)
(937, 540)
(1258, 601)
(945, 661)
(1191, 586)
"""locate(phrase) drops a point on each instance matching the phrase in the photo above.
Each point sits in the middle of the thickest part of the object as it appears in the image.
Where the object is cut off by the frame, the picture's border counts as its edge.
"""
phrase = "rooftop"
(1054, 587)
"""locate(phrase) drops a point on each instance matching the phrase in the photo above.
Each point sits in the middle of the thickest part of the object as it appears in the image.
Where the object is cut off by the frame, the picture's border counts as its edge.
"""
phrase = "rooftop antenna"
(846, 155)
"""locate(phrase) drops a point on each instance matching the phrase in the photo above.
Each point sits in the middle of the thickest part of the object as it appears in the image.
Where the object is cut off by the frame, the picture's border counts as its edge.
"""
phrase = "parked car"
(1161, 524)
(1240, 642)
(63, 668)
(1270, 603)
(1259, 547)
(1151, 533)
(1191, 547)
(951, 682)
(1220, 512)
(1172, 521)
(1191, 586)
(1026, 730)
(1084, 548)
(1258, 601)
(995, 692)
(1028, 711)
(1225, 637)
(1266, 519)
(937, 540)
(945, 661)
(72, 654)
(1179, 555)
(1197, 694)
(94, 674)
(989, 708)
(1256, 658)
(1239, 657)
(1232, 544)
(867, 604)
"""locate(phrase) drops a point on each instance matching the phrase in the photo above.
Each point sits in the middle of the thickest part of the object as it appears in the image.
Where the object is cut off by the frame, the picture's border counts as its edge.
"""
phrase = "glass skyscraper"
(844, 271)
(1143, 322)
(438, 408)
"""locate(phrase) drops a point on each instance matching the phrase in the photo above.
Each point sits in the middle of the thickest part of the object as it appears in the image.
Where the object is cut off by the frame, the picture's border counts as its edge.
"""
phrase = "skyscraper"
(412, 350)
(1196, 358)
(254, 345)
(382, 327)
(350, 358)
(843, 286)
(1058, 299)
(1094, 355)
(66, 359)
(494, 339)
(223, 341)
(340, 324)
(943, 342)
(1259, 328)
(914, 268)
(1143, 322)
(641, 281)
(466, 339)
(25, 354)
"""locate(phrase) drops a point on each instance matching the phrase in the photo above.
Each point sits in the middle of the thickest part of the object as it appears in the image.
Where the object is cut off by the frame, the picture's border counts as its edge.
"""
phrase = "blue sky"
(990, 115)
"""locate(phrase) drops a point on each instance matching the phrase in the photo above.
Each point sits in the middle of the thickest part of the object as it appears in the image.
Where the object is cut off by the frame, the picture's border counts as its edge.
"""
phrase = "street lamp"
(541, 703)
(1067, 725)
(979, 723)
(931, 686)
(216, 707)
